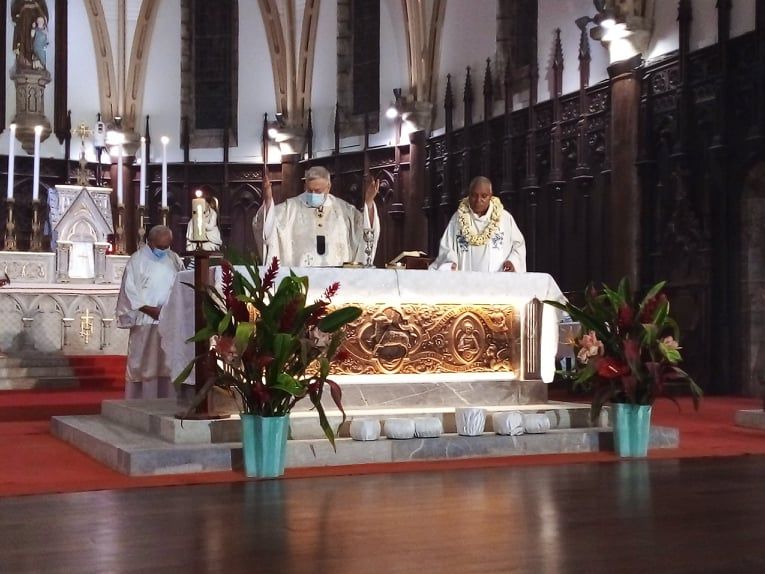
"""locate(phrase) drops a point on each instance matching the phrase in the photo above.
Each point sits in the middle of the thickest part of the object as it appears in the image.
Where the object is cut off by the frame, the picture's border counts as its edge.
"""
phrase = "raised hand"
(371, 189)
(508, 266)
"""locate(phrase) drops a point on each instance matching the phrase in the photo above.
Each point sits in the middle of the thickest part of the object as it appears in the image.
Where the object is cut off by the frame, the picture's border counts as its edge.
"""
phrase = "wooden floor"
(697, 515)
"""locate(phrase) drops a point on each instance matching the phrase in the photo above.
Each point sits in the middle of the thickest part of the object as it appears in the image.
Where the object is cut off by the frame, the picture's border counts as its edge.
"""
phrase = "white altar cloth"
(390, 286)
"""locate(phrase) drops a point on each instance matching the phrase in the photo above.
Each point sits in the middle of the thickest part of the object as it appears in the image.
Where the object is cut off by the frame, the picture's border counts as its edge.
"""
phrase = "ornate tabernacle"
(424, 338)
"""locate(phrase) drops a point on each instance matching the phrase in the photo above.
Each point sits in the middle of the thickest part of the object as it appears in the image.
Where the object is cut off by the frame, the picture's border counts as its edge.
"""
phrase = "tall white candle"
(144, 161)
(198, 204)
(36, 169)
(165, 141)
(119, 175)
(11, 159)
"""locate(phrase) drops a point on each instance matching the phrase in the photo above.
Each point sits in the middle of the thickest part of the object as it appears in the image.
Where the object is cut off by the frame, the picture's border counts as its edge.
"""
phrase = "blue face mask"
(315, 199)
(159, 253)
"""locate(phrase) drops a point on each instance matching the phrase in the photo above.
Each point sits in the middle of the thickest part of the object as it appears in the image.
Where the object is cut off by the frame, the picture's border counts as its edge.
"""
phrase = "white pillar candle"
(144, 161)
(36, 169)
(165, 141)
(119, 176)
(198, 232)
(11, 159)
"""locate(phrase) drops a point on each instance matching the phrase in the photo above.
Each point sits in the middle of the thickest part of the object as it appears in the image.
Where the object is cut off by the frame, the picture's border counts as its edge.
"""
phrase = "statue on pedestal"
(30, 73)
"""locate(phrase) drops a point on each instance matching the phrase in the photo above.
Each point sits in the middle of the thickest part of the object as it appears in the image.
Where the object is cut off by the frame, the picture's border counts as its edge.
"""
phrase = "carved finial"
(684, 11)
(584, 44)
(448, 98)
(557, 52)
(468, 93)
(487, 81)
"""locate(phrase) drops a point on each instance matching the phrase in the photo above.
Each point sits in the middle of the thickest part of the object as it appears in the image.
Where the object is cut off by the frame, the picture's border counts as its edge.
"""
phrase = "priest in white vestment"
(481, 236)
(146, 285)
(316, 228)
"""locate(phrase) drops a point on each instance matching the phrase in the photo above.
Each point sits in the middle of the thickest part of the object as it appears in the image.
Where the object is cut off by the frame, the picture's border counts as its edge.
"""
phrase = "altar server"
(146, 285)
(316, 228)
(481, 236)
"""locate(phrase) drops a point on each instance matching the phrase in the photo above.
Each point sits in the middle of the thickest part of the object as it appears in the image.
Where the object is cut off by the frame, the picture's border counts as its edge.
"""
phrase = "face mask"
(315, 199)
(159, 253)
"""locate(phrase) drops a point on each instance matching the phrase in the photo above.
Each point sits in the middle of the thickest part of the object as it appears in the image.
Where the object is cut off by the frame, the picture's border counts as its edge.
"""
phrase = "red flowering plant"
(271, 347)
(628, 349)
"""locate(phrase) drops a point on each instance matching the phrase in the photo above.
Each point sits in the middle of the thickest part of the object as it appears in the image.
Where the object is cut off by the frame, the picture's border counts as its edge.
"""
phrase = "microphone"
(321, 244)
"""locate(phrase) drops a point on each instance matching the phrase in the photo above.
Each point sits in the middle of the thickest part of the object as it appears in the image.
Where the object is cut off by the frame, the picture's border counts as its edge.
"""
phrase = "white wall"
(468, 37)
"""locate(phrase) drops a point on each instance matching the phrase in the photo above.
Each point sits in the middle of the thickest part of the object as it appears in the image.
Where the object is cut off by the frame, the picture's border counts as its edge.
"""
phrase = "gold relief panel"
(417, 338)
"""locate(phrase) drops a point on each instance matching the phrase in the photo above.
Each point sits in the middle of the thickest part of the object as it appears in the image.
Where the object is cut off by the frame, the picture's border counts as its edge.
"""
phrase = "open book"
(403, 254)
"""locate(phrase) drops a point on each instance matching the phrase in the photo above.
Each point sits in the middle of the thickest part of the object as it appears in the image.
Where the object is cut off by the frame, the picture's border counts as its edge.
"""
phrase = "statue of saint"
(30, 33)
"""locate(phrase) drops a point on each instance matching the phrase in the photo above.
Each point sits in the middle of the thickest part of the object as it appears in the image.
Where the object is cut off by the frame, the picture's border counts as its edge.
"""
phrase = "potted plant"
(271, 348)
(627, 353)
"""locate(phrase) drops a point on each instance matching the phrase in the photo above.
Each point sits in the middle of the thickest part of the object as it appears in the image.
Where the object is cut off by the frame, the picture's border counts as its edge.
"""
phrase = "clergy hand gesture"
(371, 189)
(508, 266)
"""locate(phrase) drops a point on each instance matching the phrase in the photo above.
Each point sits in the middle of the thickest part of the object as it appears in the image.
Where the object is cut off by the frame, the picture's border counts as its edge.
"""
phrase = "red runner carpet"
(32, 461)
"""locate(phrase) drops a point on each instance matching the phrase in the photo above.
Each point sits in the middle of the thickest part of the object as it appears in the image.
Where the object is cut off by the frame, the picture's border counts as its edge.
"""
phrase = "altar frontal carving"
(440, 338)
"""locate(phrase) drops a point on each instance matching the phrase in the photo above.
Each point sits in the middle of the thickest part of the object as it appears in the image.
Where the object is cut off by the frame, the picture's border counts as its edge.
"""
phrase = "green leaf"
(661, 314)
(338, 318)
(225, 322)
(289, 385)
(203, 334)
(242, 337)
(184, 374)
(652, 292)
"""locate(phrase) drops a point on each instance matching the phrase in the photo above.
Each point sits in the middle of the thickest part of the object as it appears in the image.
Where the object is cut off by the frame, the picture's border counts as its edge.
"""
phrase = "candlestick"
(119, 232)
(10, 227)
(36, 169)
(11, 159)
(165, 141)
(144, 163)
(165, 212)
(119, 175)
(141, 225)
(35, 243)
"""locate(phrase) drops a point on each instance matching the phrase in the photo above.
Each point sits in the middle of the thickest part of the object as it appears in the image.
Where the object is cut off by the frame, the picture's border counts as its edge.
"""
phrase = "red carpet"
(36, 462)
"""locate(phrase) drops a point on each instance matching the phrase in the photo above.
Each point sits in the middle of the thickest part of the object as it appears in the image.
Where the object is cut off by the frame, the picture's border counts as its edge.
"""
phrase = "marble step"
(37, 360)
(158, 418)
(132, 452)
(754, 419)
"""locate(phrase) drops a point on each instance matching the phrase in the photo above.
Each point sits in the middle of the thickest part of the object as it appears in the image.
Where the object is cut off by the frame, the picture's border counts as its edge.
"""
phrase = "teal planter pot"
(632, 427)
(264, 445)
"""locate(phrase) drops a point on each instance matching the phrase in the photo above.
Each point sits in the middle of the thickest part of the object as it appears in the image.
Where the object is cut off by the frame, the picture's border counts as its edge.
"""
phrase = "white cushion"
(428, 427)
(365, 429)
(536, 423)
(508, 423)
(469, 421)
(399, 428)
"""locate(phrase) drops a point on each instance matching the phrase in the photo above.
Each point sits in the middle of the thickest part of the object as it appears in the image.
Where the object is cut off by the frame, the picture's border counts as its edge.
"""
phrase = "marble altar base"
(144, 438)
(39, 315)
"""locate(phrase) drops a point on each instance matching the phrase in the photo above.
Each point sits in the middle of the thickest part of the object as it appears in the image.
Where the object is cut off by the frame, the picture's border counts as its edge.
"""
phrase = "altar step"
(58, 372)
(144, 438)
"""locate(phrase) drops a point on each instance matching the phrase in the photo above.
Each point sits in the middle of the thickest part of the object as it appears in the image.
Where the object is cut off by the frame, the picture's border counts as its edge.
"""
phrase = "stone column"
(63, 249)
(99, 251)
(623, 207)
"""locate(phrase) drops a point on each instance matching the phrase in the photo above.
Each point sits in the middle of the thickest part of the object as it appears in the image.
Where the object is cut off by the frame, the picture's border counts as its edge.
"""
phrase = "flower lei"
(466, 223)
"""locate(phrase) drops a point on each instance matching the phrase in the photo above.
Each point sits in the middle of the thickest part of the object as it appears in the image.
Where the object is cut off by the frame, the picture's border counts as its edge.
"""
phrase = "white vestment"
(303, 236)
(147, 281)
(506, 244)
(214, 240)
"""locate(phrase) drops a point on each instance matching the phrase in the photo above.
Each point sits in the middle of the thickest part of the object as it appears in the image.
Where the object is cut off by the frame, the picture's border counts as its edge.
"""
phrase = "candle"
(36, 171)
(198, 204)
(119, 175)
(165, 141)
(11, 159)
(144, 161)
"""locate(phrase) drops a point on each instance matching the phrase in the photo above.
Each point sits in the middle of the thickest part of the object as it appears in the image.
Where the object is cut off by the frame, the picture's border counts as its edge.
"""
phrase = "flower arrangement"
(628, 350)
(467, 229)
(271, 348)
